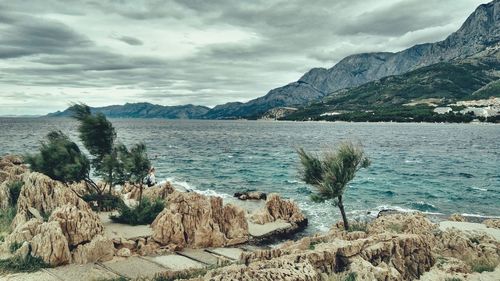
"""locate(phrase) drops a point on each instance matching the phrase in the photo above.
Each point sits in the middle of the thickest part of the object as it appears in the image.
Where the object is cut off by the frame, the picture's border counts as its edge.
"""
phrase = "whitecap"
(479, 188)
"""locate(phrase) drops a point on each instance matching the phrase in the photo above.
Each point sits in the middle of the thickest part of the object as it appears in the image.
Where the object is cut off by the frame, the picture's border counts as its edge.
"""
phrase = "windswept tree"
(136, 164)
(331, 172)
(60, 159)
(98, 136)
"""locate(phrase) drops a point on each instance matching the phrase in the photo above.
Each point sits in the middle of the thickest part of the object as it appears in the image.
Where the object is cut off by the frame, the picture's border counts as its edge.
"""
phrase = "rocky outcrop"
(45, 195)
(78, 225)
(199, 221)
(4, 195)
(251, 195)
(23, 232)
(152, 193)
(50, 244)
(278, 209)
(11, 169)
(457, 217)
(492, 223)
(99, 249)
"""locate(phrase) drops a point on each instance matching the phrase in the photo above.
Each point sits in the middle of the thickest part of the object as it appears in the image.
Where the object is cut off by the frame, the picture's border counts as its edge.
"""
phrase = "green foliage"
(136, 163)
(350, 277)
(331, 173)
(14, 191)
(13, 247)
(19, 264)
(60, 159)
(482, 264)
(358, 226)
(144, 213)
(103, 202)
(6, 218)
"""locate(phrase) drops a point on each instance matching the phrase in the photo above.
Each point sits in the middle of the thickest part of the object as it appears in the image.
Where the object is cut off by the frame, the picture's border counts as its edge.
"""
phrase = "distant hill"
(479, 31)
(144, 110)
(442, 83)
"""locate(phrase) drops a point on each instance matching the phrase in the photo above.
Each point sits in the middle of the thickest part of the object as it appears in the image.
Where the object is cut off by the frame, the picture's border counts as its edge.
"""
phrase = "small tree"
(60, 159)
(331, 173)
(137, 165)
(98, 136)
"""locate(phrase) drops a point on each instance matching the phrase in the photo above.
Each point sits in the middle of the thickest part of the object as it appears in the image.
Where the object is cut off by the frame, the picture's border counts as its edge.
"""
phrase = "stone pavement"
(470, 227)
(132, 267)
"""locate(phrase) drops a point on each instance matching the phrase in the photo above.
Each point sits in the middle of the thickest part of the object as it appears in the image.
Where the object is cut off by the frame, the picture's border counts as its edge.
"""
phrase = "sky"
(198, 52)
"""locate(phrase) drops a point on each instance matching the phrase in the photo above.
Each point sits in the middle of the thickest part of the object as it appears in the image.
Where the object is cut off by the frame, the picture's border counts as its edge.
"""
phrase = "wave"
(477, 188)
(189, 187)
(293, 181)
(480, 216)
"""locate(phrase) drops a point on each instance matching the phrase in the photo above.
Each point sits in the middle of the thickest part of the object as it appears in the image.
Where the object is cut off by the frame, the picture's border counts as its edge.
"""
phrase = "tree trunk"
(342, 211)
(110, 181)
(140, 193)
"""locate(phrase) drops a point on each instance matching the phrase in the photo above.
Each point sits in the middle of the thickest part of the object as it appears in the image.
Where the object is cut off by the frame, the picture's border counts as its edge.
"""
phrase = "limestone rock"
(78, 225)
(45, 195)
(456, 217)
(100, 249)
(124, 252)
(277, 208)
(50, 244)
(199, 221)
(403, 223)
(23, 232)
(152, 193)
(4, 196)
(23, 251)
(493, 223)
(251, 195)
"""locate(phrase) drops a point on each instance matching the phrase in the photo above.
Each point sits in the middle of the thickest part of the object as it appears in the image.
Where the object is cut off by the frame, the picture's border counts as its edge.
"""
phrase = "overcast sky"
(194, 51)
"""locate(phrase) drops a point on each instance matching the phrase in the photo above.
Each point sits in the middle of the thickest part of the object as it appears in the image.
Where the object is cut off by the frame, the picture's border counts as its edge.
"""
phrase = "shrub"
(19, 264)
(482, 265)
(103, 202)
(15, 246)
(350, 277)
(358, 226)
(14, 190)
(144, 213)
(6, 218)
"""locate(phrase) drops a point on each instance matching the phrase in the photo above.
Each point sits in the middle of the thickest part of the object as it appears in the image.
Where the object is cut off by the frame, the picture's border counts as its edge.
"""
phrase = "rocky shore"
(200, 237)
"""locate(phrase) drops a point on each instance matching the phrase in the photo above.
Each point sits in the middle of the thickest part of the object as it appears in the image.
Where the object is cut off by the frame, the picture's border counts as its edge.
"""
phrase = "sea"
(438, 169)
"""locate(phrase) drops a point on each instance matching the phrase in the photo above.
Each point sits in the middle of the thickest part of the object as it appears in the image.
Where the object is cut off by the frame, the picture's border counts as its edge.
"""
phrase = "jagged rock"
(45, 195)
(124, 252)
(100, 249)
(493, 223)
(78, 225)
(456, 217)
(23, 232)
(152, 193)
(467, 246)
(50, 244)
(199, 221)
(414, 223)
(277, 208)
(23, 251)
(251, 195)
(278, 269)
(4, 195)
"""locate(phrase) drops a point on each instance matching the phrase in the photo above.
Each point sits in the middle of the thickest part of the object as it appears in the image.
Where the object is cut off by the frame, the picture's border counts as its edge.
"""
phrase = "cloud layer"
(191, 51)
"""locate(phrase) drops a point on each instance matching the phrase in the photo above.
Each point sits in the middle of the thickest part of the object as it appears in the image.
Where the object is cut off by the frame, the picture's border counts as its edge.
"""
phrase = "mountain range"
(481, 31)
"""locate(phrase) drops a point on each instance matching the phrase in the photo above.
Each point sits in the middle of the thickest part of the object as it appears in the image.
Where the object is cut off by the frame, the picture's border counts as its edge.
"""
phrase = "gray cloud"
(130, 40)
(192, 51)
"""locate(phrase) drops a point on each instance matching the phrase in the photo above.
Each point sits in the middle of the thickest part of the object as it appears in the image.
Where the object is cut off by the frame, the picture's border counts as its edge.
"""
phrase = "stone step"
(231, 253)
(81, 272)
(134, 267)
(200, 255)
(175, 262)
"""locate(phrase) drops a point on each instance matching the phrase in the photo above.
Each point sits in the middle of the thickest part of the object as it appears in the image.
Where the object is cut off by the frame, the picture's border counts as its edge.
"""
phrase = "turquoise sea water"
(435, 168)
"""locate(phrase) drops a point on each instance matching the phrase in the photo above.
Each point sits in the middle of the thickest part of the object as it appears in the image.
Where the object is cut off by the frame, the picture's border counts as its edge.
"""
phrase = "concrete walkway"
(132, 267)
(118, 230)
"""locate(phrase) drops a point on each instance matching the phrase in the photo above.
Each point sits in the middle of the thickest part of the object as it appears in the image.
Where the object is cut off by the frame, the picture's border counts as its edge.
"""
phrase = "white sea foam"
(478, 188)
(480, 216)
(189, 187)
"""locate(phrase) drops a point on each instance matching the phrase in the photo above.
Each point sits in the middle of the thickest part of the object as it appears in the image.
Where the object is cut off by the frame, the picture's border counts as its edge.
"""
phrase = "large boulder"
(23, 232)
(152, 193)
(50, 244)
(79, 225)
(199, 221)
(279, 209)
(45, 195)
(100, 249)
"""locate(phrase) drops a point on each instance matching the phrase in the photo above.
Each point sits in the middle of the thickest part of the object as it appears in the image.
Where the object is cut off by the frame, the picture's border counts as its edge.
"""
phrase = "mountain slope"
(480, 30)
(442, 83)
(145, 110)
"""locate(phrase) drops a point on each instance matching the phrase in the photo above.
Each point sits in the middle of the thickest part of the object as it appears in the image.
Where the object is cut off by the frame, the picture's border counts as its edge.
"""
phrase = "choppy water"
(436, 168)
